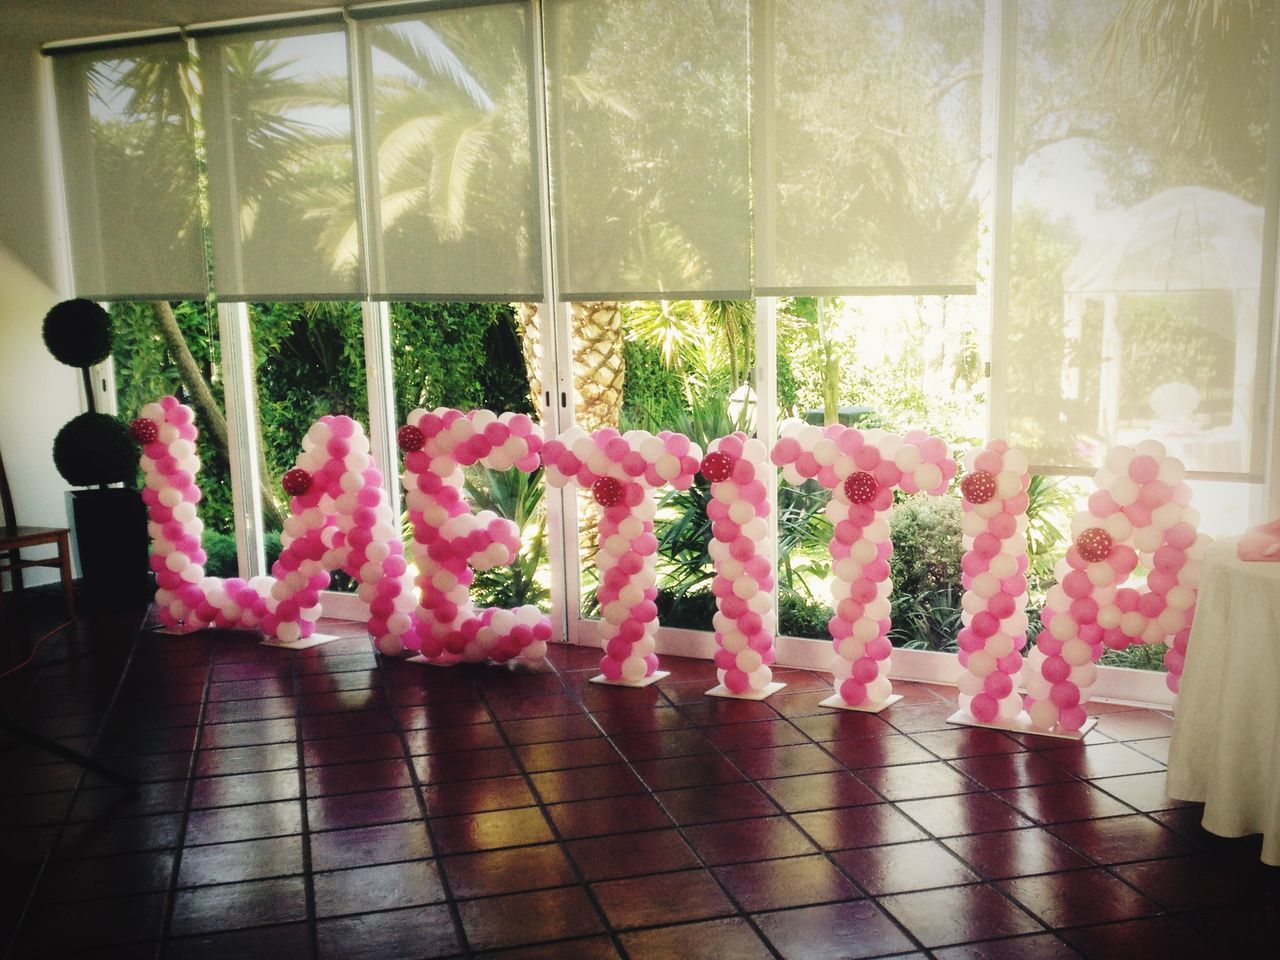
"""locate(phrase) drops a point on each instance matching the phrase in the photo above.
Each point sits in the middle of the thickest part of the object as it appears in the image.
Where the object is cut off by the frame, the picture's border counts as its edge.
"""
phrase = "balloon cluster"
(993, 573)
(622, 471)
(862, 469)
(167, 432)
(738, 510)
(339, 519)
(450, 542)
(1140, 514)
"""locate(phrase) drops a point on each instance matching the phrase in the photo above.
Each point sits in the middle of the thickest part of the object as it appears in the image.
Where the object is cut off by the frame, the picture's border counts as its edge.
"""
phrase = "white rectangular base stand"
(837, 701)
(720, 690)
(1022, 724)
(182, 630)
(651, 678)
(302, 643)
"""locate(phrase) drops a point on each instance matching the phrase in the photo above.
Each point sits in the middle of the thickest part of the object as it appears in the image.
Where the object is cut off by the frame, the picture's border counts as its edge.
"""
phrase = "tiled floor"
(329, 804)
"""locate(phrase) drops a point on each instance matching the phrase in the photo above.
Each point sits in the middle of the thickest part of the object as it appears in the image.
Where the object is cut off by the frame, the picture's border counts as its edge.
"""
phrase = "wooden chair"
(14, 539)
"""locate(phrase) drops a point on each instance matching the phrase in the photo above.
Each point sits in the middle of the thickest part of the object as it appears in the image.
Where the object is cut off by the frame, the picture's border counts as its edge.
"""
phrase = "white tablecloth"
(1226, 731)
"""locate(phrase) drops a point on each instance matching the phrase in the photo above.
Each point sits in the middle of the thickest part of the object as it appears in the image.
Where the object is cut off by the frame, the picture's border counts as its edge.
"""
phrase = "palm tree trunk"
(204, 400)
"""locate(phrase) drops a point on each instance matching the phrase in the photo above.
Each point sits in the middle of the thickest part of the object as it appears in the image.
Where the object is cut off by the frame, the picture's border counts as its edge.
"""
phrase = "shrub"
(798, 616)
(94, 449)
(78, 333)
(927, 544)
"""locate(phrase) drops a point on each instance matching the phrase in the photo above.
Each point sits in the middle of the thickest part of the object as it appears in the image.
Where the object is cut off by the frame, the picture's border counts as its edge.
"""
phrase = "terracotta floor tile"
(903, 867)
(662, 898)
(466, 765)
(358, 777)
(794, 882)
(725, 801)
(1135, 725)
(1150, 938)
(916, 781)
(365, 846)
(967, 742)
(891, 749)
(566, 754)
(513, 870)
(963, 814)
(1102, 760)
(650, 745)
(490, 831)
(818, 791)
(866, 826)
(1033, 946)
(1142, 791)
(1122, 839)
(289, 941)
(237, 905)
(1007, 770)
(549, 729)
(120, 875)
(586, 783)
(1060, 802)
(676, 773)
(477, 796)
(844, 725)
(1078, 897)
(349, 810)
(245, 860)
(790, 761)
(593, 818)
(632, 855)
(756, 735)
(521, 918)
(737, 841)
(959, 915)
(383, 887)
(580, 948)
(837, 931)
(706, 940)
(424, 932)
(1016, 853)
(1200, 882)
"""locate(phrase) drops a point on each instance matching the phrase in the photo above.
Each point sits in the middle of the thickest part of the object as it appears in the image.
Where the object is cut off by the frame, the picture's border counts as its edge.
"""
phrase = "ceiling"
(41, 21)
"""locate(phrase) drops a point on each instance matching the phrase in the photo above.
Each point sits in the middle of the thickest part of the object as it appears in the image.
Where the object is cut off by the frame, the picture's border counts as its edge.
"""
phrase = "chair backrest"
(6, 501)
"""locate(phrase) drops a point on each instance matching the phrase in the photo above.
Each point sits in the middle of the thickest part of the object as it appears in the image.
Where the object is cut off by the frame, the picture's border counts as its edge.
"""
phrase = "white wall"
(37, 394)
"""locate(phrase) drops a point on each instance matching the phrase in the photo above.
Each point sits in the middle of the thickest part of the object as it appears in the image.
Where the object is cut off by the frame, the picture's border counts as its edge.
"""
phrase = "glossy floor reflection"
(327, 803)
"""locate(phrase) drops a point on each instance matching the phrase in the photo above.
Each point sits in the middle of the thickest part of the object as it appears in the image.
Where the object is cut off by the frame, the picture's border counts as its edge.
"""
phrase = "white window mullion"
(243, 442)
(557, 365)
(766, 389)
(999, 77)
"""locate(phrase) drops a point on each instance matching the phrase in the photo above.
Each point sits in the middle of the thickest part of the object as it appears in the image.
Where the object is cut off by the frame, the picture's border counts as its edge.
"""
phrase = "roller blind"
(649, 119)
(866, 143)
(1138, 306)
(455, 212)
(128, 153)
(282, 189)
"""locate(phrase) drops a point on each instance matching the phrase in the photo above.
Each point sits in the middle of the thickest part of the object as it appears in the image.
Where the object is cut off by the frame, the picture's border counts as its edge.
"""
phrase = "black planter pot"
(111, 539)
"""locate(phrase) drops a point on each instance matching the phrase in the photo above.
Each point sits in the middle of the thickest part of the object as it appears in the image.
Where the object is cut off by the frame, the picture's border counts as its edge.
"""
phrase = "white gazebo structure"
(1186, 239)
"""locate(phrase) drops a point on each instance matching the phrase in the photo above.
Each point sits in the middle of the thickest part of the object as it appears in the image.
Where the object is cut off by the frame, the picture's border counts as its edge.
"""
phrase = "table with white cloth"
(1226, 731)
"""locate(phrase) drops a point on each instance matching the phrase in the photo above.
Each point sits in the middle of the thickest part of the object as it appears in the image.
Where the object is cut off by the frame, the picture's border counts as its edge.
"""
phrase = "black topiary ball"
(94, 449)
(78, 332)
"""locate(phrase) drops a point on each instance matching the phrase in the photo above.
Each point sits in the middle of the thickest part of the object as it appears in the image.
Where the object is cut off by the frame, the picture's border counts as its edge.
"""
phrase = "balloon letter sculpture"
(738, 510)
(993, 573)
(862, 469)
(339, 520)
(450, 542)
(1140, 513)
(622, 471)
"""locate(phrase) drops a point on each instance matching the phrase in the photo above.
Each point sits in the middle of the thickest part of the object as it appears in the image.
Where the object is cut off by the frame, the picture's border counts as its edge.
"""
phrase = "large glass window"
(488, 356)
(1137, 233)
(310, 363)
(164, 348)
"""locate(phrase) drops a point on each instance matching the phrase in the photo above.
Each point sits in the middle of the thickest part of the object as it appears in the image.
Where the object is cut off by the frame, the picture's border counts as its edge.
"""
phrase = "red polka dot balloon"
(144, 430)
(861, 487)
(607, 491)
(717, 467)
(978, 487)
(297, 482)
(1094, 545)
(410, 439)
